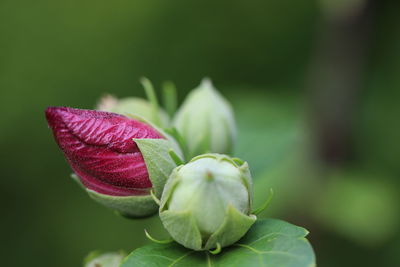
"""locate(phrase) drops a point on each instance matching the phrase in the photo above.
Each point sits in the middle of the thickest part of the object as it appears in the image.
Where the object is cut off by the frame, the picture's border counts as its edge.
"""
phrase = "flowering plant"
(138, 159)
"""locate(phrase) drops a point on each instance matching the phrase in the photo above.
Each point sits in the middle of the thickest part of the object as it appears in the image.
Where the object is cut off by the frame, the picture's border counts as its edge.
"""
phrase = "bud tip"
(209, 175)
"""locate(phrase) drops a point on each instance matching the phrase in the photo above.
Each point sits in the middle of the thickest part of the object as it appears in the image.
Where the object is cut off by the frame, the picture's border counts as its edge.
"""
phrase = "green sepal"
(180, 141)
(158, 161)
(266, 203)
(182, 228)
(170, 98)
(180, 225)
(152, 97)
(168, 189)
(76, 179)
(174, 145)
(127, 206)
(248, 182)
(235, 225)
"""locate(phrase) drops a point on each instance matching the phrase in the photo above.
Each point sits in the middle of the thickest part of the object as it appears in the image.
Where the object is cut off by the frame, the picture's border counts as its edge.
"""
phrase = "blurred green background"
(315, 86)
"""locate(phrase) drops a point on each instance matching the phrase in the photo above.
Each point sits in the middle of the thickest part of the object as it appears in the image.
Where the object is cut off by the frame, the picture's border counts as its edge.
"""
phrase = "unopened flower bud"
(110, 259)
(207, 202)
(206, 121)
(117, 159)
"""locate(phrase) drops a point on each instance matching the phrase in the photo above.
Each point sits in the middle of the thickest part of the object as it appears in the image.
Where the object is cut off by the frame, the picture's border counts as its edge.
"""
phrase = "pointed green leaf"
(269, 243)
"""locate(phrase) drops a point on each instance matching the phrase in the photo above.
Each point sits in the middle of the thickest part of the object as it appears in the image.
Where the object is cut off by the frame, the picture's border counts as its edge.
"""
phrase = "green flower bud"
(206, 121)
(207, 202)
(110, 259)
(132, 106)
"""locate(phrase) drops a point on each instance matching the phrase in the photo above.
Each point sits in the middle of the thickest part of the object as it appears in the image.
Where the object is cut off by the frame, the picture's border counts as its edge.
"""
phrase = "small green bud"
(110, 259)
(206, 121)
(132, 106)
(207, 202)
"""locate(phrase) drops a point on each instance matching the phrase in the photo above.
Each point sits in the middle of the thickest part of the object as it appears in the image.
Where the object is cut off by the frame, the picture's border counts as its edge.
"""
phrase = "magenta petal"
(100, 149)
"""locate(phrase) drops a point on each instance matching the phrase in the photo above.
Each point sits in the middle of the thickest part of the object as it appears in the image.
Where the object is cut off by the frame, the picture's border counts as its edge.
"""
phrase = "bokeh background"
(315, 87)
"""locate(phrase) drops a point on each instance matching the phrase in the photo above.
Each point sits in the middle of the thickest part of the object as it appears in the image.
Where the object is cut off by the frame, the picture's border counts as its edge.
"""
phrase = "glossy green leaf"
(268, 243)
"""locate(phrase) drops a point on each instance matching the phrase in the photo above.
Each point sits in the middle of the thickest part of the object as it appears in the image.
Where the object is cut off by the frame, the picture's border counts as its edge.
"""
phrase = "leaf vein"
(268, 251)
(180, 258)
(209, 263)
(160, 256)
(265, 236)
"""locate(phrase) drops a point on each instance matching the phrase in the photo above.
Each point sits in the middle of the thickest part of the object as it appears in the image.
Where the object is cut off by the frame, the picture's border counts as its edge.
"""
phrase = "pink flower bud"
(100, 149)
